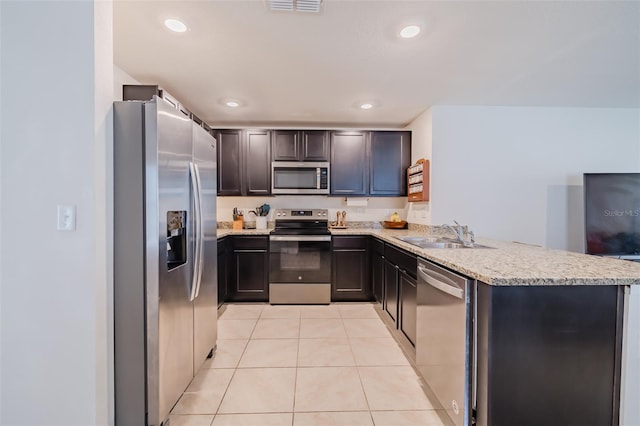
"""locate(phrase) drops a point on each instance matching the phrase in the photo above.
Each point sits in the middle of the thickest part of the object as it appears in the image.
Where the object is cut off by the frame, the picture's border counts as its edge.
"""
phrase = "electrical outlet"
(66, 218)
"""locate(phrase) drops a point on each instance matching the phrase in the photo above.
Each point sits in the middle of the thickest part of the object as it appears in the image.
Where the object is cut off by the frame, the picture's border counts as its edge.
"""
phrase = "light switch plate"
(66, 217)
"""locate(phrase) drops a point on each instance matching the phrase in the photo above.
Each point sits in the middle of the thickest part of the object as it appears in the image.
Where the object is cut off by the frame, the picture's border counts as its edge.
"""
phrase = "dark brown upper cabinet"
(257, 167)
(370, 163)
(349, 171)
(390, 155)
(230, 176)
(244, 162)
(300, 145)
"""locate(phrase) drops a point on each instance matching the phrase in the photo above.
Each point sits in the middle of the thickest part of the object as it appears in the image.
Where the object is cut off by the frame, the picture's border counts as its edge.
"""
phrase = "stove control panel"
(301, 214)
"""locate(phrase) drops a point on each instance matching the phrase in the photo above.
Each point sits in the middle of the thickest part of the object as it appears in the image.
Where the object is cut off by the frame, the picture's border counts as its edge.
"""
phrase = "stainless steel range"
(300, 257)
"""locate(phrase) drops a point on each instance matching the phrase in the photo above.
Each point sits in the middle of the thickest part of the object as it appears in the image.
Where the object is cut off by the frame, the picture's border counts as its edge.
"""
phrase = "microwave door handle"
(318, 174)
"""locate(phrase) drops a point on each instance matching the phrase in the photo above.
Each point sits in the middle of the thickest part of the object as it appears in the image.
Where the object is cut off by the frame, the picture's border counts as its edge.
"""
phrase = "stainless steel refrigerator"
(165, 277)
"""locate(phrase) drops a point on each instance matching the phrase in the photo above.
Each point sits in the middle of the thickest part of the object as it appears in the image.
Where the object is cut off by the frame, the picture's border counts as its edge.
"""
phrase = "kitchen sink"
(420, 240)
(436, 242)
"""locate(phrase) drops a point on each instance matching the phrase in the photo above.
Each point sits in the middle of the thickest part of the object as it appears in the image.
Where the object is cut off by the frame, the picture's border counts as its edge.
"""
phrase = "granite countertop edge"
(504, 263)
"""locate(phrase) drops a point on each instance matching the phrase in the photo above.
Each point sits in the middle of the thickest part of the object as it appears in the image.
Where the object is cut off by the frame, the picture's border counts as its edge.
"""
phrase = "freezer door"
(169, 267)
(206, 302)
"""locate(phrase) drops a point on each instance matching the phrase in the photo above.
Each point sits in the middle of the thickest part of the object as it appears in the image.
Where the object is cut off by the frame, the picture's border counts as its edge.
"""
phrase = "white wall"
(55, 103)
(516, 173)
(121, 77)
(421, 143)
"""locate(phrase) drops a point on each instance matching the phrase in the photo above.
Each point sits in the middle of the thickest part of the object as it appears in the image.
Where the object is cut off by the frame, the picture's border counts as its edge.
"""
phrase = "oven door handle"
(300, 238)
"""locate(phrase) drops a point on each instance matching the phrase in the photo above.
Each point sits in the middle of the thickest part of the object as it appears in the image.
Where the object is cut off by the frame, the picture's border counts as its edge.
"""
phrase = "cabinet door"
(315, 145)
(229, 162)
(350, 276)
(408, 308)
(390, 156)
(348, 163)
(249, 277)
(391, 289)
(377, 276)
(350, 269)
(258, 162)
(223, 270)
(285, 145)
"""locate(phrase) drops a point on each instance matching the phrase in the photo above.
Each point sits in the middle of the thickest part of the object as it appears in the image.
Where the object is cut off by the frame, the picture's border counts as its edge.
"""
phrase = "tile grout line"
(297, 363)
(295, 379)
(364, 392)
(235, 369)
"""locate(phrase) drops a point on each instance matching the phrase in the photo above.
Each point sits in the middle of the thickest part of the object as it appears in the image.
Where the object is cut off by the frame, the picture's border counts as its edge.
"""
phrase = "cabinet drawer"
(350, 242)
(250, 243)
(404, 260)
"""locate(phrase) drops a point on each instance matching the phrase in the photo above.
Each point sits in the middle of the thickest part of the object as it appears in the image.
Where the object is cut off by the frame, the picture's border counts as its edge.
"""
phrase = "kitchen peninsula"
(547, 331)
(504, 263)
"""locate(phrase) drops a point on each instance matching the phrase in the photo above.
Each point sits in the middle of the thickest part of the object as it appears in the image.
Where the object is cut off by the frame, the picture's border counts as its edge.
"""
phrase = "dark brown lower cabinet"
(377, 270)
(391, 289)
(350, 269)
(249, 277)
(408, 305)
(400, 290)
(549, 355)
(223, 268)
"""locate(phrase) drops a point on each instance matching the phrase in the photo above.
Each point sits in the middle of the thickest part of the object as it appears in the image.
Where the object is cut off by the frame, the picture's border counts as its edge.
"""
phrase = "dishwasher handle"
(440, 282)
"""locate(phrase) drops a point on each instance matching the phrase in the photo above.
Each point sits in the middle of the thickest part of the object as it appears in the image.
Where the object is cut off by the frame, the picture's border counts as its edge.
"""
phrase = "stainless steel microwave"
(299, 177)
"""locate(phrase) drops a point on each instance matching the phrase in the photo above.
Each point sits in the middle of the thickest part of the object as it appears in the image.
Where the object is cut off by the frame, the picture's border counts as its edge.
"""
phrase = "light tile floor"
(305, 366)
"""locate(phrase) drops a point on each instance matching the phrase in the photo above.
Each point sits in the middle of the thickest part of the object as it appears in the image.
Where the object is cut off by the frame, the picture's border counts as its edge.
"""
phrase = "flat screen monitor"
(612, 213)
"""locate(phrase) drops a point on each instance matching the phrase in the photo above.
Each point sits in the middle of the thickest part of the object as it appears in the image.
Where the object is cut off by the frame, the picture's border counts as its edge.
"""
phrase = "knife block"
(238, 223)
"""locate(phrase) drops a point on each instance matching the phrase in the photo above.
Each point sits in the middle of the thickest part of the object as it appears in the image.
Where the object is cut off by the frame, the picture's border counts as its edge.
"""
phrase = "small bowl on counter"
(387, 224)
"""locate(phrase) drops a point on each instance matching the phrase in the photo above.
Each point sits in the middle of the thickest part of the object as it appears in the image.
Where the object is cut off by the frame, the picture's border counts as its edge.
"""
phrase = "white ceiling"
(314, 69)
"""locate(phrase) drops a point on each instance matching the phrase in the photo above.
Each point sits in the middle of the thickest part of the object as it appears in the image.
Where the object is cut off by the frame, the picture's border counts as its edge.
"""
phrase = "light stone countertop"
(225, 232)
(505, 264)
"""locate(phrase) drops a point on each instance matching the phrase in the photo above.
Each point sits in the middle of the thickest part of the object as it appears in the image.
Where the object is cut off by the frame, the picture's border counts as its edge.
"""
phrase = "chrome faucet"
(460, 230)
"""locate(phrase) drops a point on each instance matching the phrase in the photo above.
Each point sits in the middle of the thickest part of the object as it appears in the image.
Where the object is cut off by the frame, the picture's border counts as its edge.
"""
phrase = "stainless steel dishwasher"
(444, 344)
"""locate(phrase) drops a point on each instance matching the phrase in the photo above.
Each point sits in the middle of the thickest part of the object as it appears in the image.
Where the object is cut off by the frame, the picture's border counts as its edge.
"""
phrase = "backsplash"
(377, 209)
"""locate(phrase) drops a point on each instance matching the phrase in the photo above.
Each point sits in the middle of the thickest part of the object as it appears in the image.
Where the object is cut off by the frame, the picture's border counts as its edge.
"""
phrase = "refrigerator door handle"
(200, 230)
(197, 220)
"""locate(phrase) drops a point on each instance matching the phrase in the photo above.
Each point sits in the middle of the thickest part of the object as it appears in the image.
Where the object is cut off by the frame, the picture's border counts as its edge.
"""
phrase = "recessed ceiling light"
(366, 106)
(232, 104)
(175, 25)
(410, 31)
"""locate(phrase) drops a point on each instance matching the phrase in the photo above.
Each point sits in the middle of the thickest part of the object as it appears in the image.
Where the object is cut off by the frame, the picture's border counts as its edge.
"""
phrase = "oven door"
(300, 259)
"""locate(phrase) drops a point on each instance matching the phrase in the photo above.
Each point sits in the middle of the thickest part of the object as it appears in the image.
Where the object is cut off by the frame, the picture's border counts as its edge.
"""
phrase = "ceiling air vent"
(295, 5)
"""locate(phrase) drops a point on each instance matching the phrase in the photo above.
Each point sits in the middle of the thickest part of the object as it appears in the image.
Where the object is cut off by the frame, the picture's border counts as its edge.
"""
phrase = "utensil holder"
(261, 222)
